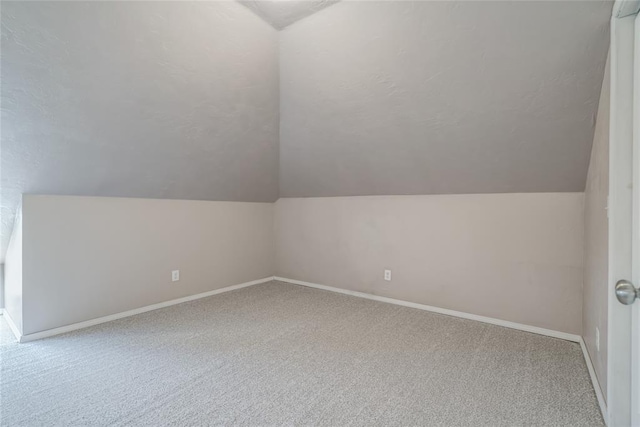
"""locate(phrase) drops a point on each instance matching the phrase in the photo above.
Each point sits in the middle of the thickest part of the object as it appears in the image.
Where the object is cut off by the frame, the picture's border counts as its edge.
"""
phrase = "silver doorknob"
(626, 292)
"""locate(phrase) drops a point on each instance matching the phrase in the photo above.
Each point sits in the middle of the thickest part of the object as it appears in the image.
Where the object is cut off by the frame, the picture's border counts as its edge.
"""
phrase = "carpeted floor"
(277, 354)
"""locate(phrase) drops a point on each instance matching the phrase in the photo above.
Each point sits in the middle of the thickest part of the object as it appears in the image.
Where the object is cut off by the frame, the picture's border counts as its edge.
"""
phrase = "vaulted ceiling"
(428, 97)
(204, 100)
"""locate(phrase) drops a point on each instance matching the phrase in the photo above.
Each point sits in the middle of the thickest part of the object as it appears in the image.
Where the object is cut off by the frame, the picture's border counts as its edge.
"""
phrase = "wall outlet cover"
(175, 275)
(387, 275)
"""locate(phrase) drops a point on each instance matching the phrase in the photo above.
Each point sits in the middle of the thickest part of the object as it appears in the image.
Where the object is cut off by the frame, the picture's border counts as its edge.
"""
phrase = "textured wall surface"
(515, 257)
(403, 97)
(596, 236)
(96, 256)
(281, 14)
(154, 99)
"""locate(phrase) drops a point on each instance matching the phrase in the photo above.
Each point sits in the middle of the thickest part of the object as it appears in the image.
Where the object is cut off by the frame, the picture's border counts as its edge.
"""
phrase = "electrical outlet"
(597, 339)
(387, 275)
(175, 275)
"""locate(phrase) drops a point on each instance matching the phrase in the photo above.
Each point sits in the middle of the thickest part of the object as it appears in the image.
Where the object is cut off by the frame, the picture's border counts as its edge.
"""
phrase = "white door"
(623, 367)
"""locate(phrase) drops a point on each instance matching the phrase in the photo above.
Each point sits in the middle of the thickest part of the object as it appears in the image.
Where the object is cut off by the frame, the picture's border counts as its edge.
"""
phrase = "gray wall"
(516, 257)
(87, 257)
(412, 97)
(156, 99)
(596, 236)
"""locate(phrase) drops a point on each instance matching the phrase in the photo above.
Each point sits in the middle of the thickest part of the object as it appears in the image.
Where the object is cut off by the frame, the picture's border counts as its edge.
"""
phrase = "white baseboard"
(88, 323)
(99, 320)
(595, 382)
(499, 322)
(12, 325)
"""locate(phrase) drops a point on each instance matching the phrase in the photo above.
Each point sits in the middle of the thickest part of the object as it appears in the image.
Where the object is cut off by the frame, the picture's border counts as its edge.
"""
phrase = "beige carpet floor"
(281, 354)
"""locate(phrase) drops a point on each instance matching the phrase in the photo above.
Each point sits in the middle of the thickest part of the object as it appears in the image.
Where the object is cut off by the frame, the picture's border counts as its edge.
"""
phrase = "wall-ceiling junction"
(205, 100)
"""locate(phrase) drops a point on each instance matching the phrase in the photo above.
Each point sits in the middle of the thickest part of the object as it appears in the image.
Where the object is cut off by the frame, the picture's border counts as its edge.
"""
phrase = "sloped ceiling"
(282, 13)
(137, 99)
(401, 97)
(204, 100)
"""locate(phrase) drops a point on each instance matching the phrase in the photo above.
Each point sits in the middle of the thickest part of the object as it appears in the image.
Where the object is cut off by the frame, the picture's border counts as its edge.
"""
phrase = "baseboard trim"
(595, 382)
(129, 313)
(12, 325)
(490, 320)
(463, 315)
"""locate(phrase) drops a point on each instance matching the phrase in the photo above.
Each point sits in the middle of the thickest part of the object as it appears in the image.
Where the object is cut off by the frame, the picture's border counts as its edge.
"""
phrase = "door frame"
(635, 234)
(621, 343)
